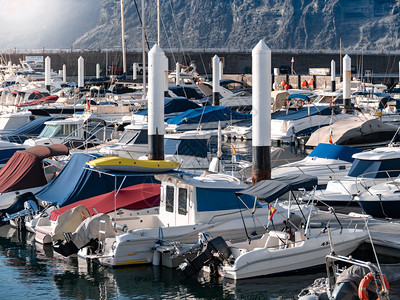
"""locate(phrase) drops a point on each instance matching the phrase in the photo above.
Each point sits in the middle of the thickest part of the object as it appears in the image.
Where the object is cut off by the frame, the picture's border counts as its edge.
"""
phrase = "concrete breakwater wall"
(376, 67)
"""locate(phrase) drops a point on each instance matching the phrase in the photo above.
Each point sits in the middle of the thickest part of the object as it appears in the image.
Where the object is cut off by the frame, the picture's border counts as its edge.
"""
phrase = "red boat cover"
(140, 196)
(24, 169)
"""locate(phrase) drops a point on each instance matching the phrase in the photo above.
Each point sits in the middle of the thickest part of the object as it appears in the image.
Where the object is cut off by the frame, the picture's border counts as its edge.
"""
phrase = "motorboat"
(189, 205)
(369, 168)
(294, 248)
(303, 122)
(12, 119)
(358, 131)
(136, 200)
(24, 172)
(381, 200)
(326, 161)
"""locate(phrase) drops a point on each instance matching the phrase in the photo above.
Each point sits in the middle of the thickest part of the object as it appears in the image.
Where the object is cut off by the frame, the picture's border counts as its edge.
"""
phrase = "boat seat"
(283, 240)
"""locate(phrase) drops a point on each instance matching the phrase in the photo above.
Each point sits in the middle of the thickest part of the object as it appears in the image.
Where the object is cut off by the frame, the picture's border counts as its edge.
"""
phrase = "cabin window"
(182, 201)
(169, 203)
(67, 130)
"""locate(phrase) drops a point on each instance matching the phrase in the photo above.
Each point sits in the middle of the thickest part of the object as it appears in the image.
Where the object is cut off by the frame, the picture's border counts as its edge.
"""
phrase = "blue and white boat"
(206, 118)
(326, 161)
(369, 168)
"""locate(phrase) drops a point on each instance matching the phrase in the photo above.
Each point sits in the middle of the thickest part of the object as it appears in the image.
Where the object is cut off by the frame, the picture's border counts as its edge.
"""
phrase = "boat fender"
(300, 103)
(362, 288)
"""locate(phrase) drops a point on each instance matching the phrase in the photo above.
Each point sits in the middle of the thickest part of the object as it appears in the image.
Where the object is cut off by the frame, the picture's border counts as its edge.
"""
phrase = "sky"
(53, 24)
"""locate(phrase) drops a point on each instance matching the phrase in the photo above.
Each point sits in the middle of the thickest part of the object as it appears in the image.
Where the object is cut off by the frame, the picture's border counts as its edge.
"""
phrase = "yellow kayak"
(123, 164)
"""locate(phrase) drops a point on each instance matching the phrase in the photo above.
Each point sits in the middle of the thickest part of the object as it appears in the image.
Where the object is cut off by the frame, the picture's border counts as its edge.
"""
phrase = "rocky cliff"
(240, 24)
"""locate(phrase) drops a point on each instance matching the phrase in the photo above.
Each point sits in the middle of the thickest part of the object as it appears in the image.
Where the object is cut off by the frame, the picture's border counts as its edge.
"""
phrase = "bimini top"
(208, 114)
(75, 182)
(299, 96)
(271, 189)
(307, 111)
(332, 151)
(191, 147)
(173, 105)
(24, 170)
(139, 196)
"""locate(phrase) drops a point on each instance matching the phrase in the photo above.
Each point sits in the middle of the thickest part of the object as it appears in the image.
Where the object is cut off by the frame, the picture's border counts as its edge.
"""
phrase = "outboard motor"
(213, 254)
(17, 214)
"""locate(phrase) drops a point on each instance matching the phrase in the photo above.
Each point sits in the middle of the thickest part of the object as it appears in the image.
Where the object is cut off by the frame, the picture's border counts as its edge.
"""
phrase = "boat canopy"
(191, 147)
(139, 196)
(75, 182)
(383, 168)
(306, 112)
(173, 105)
(332, 151)
(24, 170)
(208, 114)
(271, 189)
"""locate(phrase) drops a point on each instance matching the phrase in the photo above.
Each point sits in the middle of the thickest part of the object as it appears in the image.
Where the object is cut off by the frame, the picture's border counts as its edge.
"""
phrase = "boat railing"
(364, 179)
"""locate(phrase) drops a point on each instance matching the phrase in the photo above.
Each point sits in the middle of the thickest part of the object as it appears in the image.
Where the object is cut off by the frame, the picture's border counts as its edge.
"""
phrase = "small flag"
(271, 212)
(379, 113)
(330, 136)
(233, 150)
(87, 104)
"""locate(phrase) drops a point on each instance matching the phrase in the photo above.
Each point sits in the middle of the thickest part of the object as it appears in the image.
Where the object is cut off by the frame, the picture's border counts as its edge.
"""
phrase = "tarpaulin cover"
(307, 111)
(139, 196)
(24, 169)
(332, 151)
(7, 153)
(75, 182)
(269, 190)
(173, 105)
(208, 114)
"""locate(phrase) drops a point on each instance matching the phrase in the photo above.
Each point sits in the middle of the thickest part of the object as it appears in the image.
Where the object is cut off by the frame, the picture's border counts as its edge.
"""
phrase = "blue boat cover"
(303, 112)
(271, 189)
(332, 151)
(208, 114)
(31, 129)
(75, 182)
(375, 168)
(7, 153)
(173, 105)
(191, 147)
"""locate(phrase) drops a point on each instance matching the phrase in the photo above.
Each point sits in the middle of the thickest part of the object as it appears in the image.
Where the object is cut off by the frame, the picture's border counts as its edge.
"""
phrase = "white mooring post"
(156, 103)
(347, 81)
(81, 72)
(333, 75)
(178, 74)
(47, 72)
(215, 80)
(97, 71)
(221, 70)
(64, 73)
(261, 121)
(134, 73)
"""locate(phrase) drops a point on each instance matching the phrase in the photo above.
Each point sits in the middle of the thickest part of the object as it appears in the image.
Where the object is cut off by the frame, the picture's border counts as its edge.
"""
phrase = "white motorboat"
(288, 250)
(188, 206)
(326, 161)
(369, 168)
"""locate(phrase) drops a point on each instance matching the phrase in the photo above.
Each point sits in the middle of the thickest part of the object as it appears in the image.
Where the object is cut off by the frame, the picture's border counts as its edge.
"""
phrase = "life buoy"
(300, 103)
(362, 288)
(286, 102)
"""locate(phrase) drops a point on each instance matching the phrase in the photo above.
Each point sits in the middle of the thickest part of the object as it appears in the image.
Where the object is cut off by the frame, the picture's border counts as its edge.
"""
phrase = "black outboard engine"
(25, 205)
(213, 254)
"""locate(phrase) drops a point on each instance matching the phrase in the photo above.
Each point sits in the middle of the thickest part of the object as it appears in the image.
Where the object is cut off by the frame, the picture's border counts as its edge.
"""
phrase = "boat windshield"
(60, 130)
(130, 137)
(375, 168)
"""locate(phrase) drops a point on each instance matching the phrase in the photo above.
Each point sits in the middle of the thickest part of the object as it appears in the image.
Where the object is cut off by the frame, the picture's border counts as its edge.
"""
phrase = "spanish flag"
(330, 136)
(271, 212)
(233, 149)
(87, 104)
